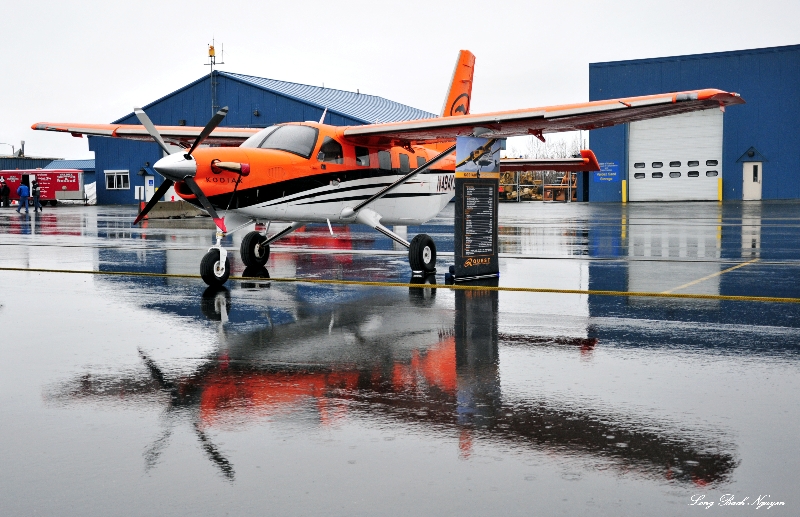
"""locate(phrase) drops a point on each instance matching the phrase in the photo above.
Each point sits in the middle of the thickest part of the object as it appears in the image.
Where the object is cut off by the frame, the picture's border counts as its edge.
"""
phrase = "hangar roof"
(359, 107)
(369, 108)
(71, 164)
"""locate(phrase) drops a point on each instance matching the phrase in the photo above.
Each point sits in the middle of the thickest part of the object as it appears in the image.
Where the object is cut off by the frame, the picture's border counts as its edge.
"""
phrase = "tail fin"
(460, 93)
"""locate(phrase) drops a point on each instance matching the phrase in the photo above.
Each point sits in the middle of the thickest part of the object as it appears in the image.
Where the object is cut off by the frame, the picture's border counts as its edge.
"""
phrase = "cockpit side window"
(299, 140)
(330, 151)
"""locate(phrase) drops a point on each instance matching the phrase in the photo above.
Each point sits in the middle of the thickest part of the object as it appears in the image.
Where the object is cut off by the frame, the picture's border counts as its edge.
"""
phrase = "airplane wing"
(182, 136)
(540, 121)
(587, 162)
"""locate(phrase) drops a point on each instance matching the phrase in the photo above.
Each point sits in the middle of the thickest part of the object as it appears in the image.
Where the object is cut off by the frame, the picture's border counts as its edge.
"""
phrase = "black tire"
(422, 254)
(210, 270)
(215, 300)
(53, 202)
(254, 252)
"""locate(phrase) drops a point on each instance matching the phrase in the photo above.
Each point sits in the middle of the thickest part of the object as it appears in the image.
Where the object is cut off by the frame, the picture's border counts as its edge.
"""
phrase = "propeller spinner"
(180, 166)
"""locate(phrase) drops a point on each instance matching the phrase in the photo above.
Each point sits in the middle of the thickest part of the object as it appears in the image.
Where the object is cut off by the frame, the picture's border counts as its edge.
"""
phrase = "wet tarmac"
(131, 395)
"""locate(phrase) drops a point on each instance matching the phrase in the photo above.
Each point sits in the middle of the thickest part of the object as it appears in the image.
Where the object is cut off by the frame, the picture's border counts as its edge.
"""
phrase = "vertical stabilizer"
(460, 92)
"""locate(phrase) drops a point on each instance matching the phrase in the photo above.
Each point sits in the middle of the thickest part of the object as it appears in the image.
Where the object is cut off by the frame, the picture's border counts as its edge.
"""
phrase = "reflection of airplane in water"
(437, 375)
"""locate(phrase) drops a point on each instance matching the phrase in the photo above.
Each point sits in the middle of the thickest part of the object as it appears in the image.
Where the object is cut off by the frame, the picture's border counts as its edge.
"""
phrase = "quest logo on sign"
(609, 172)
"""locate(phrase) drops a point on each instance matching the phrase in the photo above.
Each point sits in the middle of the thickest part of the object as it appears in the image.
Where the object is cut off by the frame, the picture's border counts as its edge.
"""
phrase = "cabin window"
(362, 156)
(711, 163)
(694, 174)
(693, 163)
(658, 174)
(674, 174)
(330, 151)
(118, 180)
(674, 164)
(639, 175)
(404, 165)
(420, 161)
(711, 174)
(299, 140)
(638, 165)
(385, 160)
(657, 165)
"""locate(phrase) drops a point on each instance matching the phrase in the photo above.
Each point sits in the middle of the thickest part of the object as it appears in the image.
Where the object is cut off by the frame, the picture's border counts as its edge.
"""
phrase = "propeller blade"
(205, 202)
(153, 200)
(214, 454)
(212, 124)
(148, 125)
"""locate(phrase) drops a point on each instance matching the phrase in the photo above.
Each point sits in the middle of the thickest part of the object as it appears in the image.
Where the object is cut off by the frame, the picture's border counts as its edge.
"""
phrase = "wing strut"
(385, 190)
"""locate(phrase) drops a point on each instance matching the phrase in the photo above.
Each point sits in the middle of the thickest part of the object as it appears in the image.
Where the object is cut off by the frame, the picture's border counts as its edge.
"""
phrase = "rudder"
(460, 93)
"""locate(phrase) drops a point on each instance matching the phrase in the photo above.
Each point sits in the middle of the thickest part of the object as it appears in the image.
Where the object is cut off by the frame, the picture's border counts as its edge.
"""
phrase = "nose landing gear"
(215, 268)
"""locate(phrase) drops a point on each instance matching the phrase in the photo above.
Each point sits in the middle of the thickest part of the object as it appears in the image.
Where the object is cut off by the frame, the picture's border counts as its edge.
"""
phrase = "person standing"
(36, 193)
(4, 193)
(23, 192)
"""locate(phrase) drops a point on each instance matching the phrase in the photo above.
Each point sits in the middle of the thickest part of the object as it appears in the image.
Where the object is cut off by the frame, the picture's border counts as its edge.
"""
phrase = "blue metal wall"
(24, 163)
(769, 81)
(192, 103)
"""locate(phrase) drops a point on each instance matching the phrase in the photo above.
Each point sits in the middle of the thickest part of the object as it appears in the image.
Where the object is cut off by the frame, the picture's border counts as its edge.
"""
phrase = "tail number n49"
(446, 183)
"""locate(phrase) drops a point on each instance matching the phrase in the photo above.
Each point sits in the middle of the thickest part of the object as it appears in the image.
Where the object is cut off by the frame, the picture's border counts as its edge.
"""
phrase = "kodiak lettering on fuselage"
(446, 183)
(217, 179)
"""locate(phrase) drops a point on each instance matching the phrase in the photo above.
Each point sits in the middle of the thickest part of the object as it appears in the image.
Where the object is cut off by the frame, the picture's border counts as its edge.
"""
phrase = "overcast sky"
(93, 61)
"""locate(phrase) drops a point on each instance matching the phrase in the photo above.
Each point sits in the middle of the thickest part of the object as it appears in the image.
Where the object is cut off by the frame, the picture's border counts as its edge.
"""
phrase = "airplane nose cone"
(176, 166)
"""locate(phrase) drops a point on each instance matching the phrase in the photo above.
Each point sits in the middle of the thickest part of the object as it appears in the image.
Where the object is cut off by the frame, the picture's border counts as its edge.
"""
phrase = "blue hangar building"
(123, 165)
(750, 152)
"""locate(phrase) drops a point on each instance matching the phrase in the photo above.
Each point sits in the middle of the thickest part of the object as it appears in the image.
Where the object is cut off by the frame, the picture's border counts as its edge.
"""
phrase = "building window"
(694, 174)
(385, 160)
(657, 165)
(711, 163)
(404, 165)
(639, 175)
(658, 174)
(362, 156)
(711, 174)
(638, 165)
(118, 180)
(674, 174)
(693, 163)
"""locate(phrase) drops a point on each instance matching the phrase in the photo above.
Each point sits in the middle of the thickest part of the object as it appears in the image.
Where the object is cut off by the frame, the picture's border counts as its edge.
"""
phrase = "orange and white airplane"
(397, 173)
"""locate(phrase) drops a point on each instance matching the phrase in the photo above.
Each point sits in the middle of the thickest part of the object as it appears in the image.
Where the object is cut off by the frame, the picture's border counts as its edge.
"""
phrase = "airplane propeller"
(180, 166)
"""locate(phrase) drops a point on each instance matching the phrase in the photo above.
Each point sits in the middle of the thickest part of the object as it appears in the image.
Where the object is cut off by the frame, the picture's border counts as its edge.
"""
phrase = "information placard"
(477, 181)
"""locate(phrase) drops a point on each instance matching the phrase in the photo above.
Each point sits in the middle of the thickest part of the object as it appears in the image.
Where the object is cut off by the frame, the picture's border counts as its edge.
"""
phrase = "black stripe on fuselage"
(284, 189)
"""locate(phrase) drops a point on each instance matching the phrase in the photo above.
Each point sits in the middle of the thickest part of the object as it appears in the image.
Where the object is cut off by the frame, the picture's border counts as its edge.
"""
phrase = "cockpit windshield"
(292, 138)
(254, 141)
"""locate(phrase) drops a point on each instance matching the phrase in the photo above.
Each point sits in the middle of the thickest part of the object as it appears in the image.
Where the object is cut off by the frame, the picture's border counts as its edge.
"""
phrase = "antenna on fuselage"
(322, 118)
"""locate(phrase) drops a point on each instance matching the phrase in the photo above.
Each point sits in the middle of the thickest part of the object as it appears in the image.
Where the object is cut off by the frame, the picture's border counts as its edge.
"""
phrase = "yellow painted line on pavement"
(712, 275)
(455, 287)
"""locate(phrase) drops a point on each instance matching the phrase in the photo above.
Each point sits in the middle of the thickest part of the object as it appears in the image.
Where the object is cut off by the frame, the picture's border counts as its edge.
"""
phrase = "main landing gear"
(422, 254)
(254, 250)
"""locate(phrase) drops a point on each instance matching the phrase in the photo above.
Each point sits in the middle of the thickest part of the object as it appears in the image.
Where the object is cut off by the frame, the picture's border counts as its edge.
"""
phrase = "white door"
(751, 181)
(677, 158)
(149, 187)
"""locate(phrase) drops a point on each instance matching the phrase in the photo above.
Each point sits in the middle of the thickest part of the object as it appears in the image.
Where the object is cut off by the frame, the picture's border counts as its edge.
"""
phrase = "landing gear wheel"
(212, 270)
(422, 254)
(254, 251)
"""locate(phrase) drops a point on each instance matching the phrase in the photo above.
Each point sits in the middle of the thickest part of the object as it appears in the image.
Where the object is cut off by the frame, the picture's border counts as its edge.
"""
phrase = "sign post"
(477, 182)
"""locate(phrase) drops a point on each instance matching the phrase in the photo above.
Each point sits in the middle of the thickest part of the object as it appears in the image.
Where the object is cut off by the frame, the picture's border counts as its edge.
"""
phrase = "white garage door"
(677, 158)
